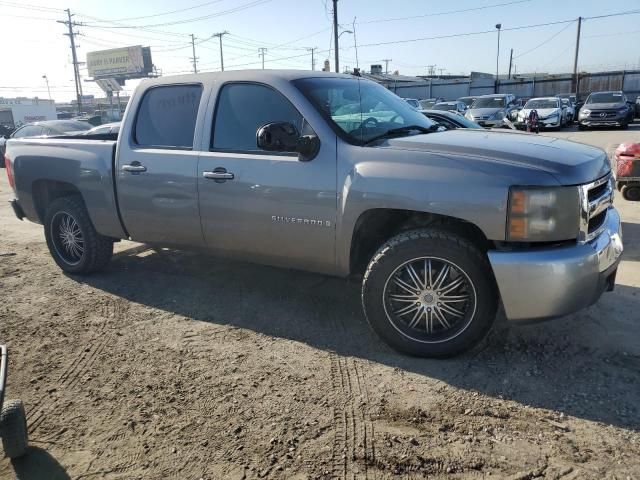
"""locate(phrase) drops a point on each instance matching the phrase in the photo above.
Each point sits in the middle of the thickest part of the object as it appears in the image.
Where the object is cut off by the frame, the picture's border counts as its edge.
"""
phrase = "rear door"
(157, 167)
(271, 208)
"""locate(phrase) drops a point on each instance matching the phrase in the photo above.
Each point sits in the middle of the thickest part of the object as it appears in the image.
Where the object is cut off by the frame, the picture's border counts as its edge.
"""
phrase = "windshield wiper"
(405, 129)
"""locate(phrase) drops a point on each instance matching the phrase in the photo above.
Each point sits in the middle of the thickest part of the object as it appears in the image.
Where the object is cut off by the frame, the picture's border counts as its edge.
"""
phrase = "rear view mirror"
(278, 137)
(284, 137)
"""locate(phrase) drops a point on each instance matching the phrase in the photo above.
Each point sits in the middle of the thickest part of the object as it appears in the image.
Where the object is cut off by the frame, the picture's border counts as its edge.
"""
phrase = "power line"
(254, 3)
(546, 41)
(167, 13)
(413, 17)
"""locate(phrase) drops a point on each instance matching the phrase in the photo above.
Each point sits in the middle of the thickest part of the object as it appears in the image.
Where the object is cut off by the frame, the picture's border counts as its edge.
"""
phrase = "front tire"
(631, 192)
(429, 293)
(13, 429)
(73, 242)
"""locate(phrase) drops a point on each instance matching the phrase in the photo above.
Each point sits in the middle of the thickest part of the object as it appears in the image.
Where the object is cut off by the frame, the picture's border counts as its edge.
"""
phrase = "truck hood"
(570, 163)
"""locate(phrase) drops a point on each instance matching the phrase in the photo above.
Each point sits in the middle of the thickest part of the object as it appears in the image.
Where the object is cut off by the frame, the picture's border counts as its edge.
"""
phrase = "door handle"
(134, 168)
(218, 175)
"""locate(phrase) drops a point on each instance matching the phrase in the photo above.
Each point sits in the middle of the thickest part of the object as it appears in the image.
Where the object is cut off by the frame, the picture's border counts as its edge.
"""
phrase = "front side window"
(167, 116)
(360, 110)
(245, 107)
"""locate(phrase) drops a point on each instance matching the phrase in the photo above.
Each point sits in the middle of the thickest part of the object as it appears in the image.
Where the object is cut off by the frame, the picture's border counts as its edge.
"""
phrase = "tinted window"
(243, 108)
(167, 116)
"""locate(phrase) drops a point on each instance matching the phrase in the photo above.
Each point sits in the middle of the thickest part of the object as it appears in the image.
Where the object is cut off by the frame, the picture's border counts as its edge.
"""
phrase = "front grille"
(595, 199)
(607, 114)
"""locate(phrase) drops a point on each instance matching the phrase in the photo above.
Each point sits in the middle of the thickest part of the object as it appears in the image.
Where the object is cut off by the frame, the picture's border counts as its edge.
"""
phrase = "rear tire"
(73, 242)
(631, 192)
(397, 304)
(13, 429)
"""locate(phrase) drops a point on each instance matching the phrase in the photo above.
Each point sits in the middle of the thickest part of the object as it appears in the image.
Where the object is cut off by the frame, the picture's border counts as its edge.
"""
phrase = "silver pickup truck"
(337, 175)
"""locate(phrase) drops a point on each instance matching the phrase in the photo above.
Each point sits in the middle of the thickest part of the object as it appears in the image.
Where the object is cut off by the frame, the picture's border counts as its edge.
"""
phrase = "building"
(17, 111)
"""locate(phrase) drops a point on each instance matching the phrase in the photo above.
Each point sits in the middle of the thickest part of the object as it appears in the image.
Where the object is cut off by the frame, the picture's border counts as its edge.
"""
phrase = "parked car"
(570, 112)
(550, 112)
(605, 109)
(427, 103)
(413, 102)
(638, 106)
(449, 120)
(627, 157)
(467, 101)
(454, 106)
(491, 110)
(105, 129)
(443, 226)
(46, 128)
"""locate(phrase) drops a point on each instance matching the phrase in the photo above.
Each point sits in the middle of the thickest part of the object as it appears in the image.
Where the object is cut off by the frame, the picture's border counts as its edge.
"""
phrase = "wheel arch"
(375, 226)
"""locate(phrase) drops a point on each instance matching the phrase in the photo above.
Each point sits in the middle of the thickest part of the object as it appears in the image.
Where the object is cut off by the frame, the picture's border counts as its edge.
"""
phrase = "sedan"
(550, 112)
(455, 107)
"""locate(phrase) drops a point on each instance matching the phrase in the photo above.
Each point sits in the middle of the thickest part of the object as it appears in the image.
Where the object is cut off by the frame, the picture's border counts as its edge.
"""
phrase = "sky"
(400, 30)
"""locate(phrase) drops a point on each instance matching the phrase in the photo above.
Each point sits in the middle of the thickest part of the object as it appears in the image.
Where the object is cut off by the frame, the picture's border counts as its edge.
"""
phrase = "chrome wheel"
(67, 238)
(429, 299)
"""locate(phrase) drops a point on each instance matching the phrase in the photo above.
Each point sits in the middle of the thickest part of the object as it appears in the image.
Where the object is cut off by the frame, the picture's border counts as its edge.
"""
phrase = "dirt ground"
(171, 365)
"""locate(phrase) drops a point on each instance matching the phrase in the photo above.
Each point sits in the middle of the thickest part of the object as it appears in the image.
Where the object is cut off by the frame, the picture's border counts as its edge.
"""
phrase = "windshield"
(605, 97)
(490, 102)
(360, 109)
(468, 101)
(531, 104)
(427, 104)
(444, 106)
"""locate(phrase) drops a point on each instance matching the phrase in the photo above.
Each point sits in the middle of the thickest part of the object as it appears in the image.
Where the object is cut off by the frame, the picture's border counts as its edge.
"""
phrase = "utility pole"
(313, 59)
(432, 69)
(194, 59)
(510, 62)
(220, 35)
(441, 70)
(576, 83)
(498, 27)
(335, 35)
(261, 53)
(386, 64)
(355, 42)
(76, 68)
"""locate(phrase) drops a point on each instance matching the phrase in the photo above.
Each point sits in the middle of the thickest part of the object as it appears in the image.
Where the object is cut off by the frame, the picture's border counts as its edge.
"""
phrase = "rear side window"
(167, 116)
(245, 107)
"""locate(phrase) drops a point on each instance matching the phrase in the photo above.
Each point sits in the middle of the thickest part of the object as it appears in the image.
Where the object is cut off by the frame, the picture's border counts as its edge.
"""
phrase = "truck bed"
(85, 164)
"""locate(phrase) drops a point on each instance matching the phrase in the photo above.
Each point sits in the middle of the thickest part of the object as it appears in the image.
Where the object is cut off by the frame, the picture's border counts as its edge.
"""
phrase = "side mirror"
(284, 137)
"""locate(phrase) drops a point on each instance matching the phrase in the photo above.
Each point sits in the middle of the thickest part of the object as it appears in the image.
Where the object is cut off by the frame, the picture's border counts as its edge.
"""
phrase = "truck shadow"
(38, 464)
(586, 365)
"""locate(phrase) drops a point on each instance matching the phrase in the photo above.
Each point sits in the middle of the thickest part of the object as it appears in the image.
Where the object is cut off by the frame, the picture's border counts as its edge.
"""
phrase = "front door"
(266, 207)
(156, 175)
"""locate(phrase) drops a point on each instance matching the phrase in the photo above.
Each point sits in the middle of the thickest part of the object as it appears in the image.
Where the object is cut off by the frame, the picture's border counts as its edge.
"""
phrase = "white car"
(550, 112)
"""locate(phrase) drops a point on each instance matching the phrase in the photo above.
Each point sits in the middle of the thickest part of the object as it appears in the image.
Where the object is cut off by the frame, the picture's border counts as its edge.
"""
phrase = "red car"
(627, 157)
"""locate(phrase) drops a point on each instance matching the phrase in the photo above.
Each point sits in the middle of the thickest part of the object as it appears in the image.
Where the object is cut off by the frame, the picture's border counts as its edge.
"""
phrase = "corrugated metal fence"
(450, 89)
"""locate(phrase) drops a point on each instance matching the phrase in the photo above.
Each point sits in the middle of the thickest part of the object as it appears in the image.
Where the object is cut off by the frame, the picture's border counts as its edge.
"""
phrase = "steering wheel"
(372, 120)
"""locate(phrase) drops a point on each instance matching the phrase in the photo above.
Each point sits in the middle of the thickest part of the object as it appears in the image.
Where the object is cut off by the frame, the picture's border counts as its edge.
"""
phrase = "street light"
(48, 89)
(498, 27)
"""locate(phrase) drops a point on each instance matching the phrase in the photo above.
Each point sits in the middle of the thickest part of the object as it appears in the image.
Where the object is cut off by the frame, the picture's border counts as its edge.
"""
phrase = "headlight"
(585, 111)
(543, 214)
(468, 116)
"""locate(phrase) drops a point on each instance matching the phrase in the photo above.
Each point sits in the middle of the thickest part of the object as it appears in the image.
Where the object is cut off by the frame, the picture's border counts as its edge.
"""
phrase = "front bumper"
(491, 123)
(604, 122)
(550, 282)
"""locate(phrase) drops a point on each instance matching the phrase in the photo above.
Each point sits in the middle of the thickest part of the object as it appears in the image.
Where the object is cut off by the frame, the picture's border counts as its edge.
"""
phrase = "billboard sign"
(126, 62)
